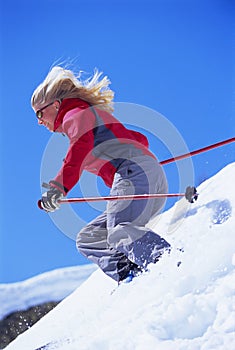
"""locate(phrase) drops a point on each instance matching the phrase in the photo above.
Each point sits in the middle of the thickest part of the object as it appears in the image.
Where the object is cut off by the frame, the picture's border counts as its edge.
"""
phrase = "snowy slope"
(50, 286)
(185, 302)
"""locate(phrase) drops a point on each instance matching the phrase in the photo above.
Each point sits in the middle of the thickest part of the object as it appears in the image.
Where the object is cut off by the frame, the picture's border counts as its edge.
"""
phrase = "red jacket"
(99, 143)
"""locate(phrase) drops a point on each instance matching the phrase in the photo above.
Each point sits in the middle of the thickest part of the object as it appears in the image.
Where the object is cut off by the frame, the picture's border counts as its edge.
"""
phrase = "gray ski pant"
(118, 236)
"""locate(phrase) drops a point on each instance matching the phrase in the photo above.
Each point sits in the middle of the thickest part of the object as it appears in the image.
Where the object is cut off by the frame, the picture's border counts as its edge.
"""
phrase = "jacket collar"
(67, 105)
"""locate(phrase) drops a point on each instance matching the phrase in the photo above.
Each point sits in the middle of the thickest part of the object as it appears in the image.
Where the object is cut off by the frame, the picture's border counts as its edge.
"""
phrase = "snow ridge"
(50, 286)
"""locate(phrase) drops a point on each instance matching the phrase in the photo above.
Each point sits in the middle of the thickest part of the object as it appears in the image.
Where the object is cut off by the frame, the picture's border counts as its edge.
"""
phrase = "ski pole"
(119, 198)
(200, 150)
(190, 194)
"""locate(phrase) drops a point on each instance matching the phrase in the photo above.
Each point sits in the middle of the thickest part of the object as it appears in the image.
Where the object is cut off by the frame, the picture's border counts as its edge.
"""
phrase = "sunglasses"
(39, 113)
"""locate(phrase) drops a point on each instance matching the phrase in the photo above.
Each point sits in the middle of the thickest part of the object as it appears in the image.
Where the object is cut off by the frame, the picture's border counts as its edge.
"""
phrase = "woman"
(117, 240)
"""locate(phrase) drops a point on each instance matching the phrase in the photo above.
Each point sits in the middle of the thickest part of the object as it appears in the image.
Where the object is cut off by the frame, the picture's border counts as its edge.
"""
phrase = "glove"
(49, 201)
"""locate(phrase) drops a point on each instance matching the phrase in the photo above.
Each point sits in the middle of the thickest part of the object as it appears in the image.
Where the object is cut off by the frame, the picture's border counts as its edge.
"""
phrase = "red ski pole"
(200, 150)
(120, 198)
(190, 194)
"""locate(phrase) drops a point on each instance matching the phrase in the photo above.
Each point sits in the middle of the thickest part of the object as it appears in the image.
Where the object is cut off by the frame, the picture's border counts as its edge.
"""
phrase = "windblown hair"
(62, 83)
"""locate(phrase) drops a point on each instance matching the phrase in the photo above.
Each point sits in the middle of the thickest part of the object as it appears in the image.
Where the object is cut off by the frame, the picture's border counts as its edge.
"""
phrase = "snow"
(184, 302)
(50, 286)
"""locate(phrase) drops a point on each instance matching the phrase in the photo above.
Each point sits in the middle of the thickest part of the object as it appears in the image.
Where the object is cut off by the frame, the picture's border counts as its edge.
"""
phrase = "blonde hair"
(62, 83)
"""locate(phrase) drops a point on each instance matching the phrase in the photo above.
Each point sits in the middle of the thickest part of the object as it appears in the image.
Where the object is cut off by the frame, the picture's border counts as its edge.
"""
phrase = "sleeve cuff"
(60, 187)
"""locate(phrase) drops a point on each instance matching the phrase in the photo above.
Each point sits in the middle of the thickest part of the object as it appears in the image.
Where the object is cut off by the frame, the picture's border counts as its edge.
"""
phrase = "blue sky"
(175, 57)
